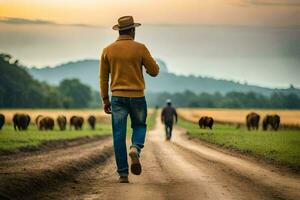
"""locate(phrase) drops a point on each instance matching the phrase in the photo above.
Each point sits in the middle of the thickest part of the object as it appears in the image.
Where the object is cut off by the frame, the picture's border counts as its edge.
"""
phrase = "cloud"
(23, 21)
(268, 2)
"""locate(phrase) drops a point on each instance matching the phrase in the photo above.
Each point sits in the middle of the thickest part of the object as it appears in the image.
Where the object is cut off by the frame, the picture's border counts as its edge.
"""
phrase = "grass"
(282, 146)
(151, 120)
(11, 140)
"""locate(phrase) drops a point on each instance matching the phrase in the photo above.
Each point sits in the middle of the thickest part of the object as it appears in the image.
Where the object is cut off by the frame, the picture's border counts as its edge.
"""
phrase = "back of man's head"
(169, 102)
(130, 31)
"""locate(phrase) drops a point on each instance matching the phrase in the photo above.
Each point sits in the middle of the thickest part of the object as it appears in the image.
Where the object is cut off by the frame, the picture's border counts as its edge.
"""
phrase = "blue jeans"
(168, 128)
(136, 108)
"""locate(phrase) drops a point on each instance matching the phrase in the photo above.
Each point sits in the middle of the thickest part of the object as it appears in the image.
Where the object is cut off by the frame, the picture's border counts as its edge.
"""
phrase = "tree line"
(228, 100)
(19, 90)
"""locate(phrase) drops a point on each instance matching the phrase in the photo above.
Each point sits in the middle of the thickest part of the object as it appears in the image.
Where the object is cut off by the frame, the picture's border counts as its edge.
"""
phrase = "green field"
(282, 146)
(151, 120)
(11, 139)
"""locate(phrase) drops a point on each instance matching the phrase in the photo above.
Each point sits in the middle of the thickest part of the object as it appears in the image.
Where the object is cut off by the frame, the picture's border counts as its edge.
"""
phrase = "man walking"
(167, 117)
(123, 60)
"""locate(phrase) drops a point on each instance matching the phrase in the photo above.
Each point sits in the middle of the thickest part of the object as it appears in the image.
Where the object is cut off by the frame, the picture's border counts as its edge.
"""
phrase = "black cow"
(21, 121)
(77, 122)
(206, 122)
(271, 120)
(44, 123)
(2, 120)
(252, 121)
(92, 121)
(62, 122)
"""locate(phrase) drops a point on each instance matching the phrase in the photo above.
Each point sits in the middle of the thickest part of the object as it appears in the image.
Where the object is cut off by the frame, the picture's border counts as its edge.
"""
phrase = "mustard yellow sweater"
(123, 60)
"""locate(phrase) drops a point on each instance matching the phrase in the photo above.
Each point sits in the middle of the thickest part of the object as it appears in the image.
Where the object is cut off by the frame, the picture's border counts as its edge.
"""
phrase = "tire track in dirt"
(23, 177)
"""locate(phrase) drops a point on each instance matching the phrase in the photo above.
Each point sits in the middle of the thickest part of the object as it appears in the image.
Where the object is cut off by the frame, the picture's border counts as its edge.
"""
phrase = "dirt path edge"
(26, 186)
(48, 145)
(270, 163)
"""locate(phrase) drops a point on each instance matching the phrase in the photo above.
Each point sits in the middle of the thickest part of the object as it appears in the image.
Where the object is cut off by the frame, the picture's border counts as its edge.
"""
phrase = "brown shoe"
(136, 167)
(123, 179)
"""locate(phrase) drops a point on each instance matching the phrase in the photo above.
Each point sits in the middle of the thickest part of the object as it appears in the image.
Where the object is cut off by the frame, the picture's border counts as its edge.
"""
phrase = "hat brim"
(117, 28)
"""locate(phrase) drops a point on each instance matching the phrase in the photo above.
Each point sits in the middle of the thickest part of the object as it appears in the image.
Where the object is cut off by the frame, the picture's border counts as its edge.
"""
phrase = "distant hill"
(88, 72)
(19, 90)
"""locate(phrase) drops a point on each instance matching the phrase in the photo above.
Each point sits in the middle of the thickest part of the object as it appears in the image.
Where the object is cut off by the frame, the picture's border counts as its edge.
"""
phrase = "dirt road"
(180, 169)
(24, 175)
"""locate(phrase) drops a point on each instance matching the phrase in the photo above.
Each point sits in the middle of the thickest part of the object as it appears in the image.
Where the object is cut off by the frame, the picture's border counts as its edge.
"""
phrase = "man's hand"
(107, 108)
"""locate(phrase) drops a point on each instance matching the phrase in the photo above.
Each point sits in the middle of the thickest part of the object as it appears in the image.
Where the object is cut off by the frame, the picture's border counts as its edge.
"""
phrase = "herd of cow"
(252, 122)
(21, 121)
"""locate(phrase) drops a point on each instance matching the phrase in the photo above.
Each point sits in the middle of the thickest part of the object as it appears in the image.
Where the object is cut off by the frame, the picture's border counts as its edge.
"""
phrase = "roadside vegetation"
(151, 119)
(282, 146)
(11, 140)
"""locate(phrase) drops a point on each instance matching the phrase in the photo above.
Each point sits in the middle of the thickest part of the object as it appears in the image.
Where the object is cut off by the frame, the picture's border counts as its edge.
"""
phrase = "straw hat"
(124, 23)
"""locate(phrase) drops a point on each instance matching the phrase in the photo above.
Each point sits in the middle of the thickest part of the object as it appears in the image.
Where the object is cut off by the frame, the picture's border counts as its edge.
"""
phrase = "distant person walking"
(167, 117)
(123, 61)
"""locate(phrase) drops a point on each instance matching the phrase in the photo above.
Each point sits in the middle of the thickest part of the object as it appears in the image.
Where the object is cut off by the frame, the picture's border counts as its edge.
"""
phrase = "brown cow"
(21, 121)
(2, 120)
(44, 123)
(92, 121)
(252, 121)
(271, 120)
(206, 122)
(77, 122)
(62, 122)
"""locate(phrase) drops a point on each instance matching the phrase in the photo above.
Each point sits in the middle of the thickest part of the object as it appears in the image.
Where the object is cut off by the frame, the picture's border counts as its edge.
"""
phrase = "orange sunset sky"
(105, 12)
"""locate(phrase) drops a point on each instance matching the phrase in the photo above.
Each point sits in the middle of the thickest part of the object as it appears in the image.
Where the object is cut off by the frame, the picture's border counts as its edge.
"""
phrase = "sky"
(253, 41)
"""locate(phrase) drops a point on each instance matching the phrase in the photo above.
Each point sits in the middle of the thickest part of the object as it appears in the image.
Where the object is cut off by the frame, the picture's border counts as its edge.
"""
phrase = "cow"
(252, 121)
(271, 120)
(21, 121)
(92, 121)
(44, 123)
(62, 122)
(206, 122)
(2, 120)
(77, 122)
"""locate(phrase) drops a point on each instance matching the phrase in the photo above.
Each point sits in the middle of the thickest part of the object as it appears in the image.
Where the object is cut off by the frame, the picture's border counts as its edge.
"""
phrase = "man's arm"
(104, 80)
(151, 67)
(175, 114)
